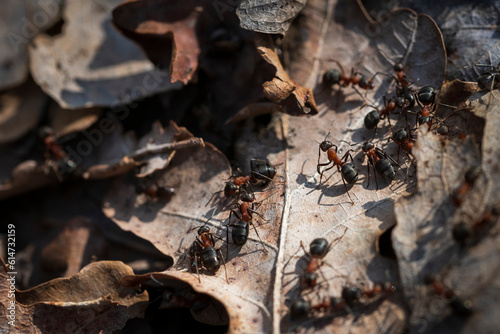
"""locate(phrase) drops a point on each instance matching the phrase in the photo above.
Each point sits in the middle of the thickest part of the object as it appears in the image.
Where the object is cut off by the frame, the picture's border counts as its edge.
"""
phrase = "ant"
(203, 252)
(346, 169)
(350, 297)
(373, 117)
(317, 251)
(380, 161)
(156, 191)
(463, 231)
(241, 229)
(54, 151)
(260, 170)
(426, 98)
(335, 77)
(471, 176)
(458, 305)
(404, 139)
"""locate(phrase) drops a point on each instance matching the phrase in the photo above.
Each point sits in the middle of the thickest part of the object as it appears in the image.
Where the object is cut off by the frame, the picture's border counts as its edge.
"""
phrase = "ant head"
(398, 67)
(367, 146)
(426, 95)
(351, 294)
(366, 83)
(325, 145)
(318, 247)
(45, 131)
(230, 189)
(400, 135)
(401, 102)
(247, 197)
(203, 229)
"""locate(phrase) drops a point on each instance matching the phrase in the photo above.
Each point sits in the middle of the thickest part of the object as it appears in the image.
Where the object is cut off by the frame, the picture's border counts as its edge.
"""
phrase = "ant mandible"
(203, 252)
(317, 251)
(347, 170)
(380, 161)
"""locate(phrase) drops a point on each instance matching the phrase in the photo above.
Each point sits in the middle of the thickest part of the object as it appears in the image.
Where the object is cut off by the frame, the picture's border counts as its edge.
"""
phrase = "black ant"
(317, 251)
(426, 98)
(404, 139)
(463, 231)
(241, 229)
(380, 161)
(460, 306)
(346, 169)
(373, 117)
(203, 252)
(352, 295)
(471, 176)
(54, 151)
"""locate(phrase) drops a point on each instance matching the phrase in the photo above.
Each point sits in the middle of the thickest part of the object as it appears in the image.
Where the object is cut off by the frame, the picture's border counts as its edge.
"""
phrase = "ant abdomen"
(372, 119)
(489, 80)
(332, 77)
(350, 173)
(210, 259)
(300, 309)
(386, 169)
(240, 232)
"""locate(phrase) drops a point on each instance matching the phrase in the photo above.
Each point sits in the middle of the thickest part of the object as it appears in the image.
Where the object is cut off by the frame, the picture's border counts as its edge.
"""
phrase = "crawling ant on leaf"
(203, 253)
(460, 306)
(380, 161)
(350, 297)
(463, 231)
(241, 229)
(373, 117)
(346, 169)
(317, 251)
(404, 139)
(471, 176)
(54, 151)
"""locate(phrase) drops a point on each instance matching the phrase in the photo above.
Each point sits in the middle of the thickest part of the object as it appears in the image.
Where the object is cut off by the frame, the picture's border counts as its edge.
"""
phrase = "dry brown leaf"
(90, 63)
(92, 300)
(20, 22)
(296, 99)
(19, 114)
(174, 22)
(265, 285)
(268, 17)
(65, 122)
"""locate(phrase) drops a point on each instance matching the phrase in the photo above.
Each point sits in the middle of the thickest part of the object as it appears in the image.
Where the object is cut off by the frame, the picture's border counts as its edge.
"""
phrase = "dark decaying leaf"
(90, 63)
(296, 99)
(93, 299)
(268, 17)
(20, 22)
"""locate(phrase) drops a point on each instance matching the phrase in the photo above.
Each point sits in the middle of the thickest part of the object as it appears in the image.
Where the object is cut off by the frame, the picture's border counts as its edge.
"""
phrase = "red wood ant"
(241, 229)
(203, 252)
(471, 176)
(317, 251)
(155, 191)
(373, 117)
(346, 169)
(380, 161)
(335, 77)
(404, 139)
(350, 297)
(463, 231)
(54, 151)
(460, 306)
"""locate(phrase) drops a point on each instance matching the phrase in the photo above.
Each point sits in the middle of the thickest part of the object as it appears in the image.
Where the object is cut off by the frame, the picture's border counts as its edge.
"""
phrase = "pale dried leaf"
(20, 22)
(268, 17)
(90, 63)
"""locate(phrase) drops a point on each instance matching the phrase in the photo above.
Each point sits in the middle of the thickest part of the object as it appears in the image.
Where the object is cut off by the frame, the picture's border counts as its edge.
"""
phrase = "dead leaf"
(20, 22)
(65, 122)
(176, 22)
(90, 64)
(18, 115)
(296, 99)
(92, 300)
(268, 17)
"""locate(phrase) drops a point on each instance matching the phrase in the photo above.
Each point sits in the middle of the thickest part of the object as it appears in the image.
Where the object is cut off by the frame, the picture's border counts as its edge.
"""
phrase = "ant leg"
(224, 263)
(215, 193)
(325, 170)
(368, 167)
(347, 191)
(195, 261)
(257, 232)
